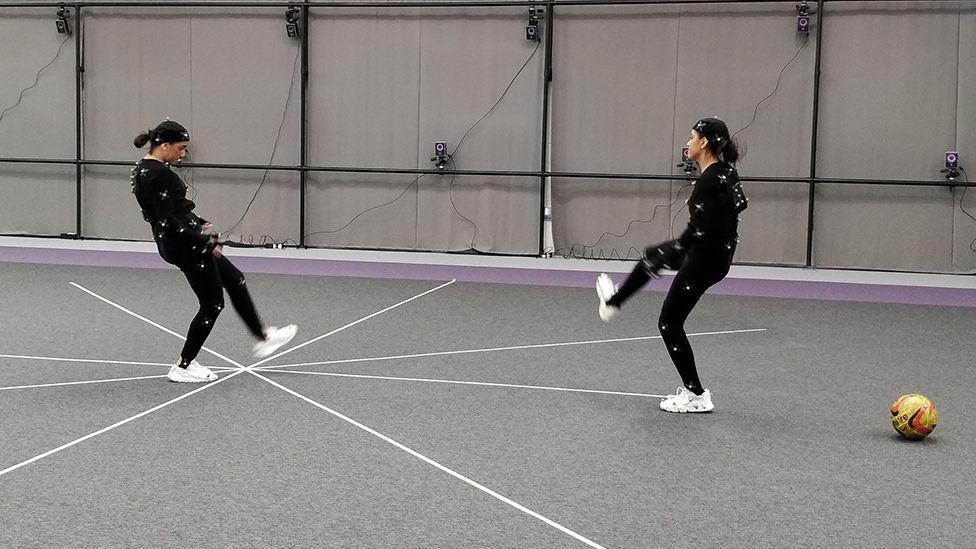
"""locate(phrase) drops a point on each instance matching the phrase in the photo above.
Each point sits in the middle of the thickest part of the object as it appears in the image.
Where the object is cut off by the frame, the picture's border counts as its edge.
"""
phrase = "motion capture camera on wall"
(62, 20)
(687, 164)
(293, 22)
(802, 17)
(951, 169)
(440, 157)
(532, 29)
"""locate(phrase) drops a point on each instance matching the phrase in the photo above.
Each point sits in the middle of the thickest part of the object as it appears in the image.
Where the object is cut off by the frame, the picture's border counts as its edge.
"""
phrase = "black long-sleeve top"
(162, 196)
(714, 221)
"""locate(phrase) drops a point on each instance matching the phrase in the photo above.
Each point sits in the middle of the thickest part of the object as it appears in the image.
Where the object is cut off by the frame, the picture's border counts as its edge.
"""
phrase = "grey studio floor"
(799, 451)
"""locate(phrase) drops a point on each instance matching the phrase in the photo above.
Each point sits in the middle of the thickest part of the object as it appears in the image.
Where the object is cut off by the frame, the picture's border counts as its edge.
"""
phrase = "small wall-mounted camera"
(61, 22)
(802, 17)
(441, 156)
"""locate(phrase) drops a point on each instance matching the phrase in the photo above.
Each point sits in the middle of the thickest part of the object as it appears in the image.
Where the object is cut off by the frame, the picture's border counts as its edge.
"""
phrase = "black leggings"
(209, 276)
(700, 270)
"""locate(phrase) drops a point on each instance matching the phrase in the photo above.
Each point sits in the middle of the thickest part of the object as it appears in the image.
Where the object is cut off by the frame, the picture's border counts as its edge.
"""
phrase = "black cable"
(450, 194)
(36, 79)
(185, 176)
(775, 89)
(972, 245)
(502, 96)
(675, 218)
(613, 251)
(284, 117)
(367, 210)
(755, 113)
(450, 158)
(450, 186)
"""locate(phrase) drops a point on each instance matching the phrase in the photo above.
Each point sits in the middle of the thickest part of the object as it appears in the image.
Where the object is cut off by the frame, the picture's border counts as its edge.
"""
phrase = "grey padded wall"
(385, 85)
(226, 76)
(36, 198)
(628, 81)
(467, 60)
(730, 57)
(613, 103)
(363, 111)
(888, 110)
(643, 76)
(964, 227)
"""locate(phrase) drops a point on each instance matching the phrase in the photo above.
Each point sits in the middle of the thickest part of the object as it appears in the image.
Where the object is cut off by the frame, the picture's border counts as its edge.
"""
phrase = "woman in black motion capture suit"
(702, 256)
(182, 241)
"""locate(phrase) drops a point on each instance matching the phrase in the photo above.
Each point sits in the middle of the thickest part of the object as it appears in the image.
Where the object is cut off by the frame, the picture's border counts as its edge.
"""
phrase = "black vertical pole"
(303, 175)
(547, 79)
(79, 70)
(813, 139)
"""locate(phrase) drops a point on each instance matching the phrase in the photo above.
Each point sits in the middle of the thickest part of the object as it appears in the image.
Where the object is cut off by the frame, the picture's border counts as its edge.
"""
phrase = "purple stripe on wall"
(832, 291)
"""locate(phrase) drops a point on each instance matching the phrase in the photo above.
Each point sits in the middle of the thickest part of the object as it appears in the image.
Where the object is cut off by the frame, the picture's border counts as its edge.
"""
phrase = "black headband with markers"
(713, 129)
(168, 132)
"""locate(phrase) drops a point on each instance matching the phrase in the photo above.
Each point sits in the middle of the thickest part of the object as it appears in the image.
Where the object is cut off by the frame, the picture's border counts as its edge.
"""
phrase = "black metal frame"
(543, 173)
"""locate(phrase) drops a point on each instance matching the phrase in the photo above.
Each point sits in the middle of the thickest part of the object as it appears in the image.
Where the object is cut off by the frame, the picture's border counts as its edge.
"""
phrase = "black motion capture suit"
(702, 256)
(181, 241)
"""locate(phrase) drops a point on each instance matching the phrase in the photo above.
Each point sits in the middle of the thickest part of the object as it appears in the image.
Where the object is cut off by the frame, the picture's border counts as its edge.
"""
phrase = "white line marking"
(118, 424)
(91, 360)
(351, 324)
(359, 376)
(516, 347)
(79, 382)
(422, 457)
(150, 322)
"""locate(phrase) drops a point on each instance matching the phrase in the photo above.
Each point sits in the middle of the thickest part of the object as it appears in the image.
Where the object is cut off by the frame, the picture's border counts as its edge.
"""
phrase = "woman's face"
(173, 152)
(697, 145)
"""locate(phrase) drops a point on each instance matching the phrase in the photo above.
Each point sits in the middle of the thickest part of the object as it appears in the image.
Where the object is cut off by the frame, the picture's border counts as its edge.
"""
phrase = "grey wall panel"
(42, 125)
(608, 206)
(467, 59)
(335, 200)
(888, 104)
(37, 199)
(109, 210)
(503, 213)
(963, 256)
(364, 86)
(241, 74)
(896, 228)
(614, 89)
(774, 227)
(129, 85)
(226, 78)
(221, 196)
(730, 57)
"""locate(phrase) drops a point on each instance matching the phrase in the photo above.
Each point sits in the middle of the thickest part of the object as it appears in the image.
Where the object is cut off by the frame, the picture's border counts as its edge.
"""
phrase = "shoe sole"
(266, 353)
(679, 411)
(191, 380)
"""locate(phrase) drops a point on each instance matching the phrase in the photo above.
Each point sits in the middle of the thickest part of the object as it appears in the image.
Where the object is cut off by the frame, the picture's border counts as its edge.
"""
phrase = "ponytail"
(729, 152)
(143, 138)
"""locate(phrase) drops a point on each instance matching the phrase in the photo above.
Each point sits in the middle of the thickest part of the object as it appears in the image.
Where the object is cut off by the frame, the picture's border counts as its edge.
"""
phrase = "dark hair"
(143, 138)
(720, 143)
(727, 150)
(167, 131)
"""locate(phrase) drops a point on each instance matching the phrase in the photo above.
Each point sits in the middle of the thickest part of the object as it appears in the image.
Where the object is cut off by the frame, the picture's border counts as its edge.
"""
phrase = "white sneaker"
(274, 338)
(194, 373)
(686, 402)
(605, 288)
(681, 390)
